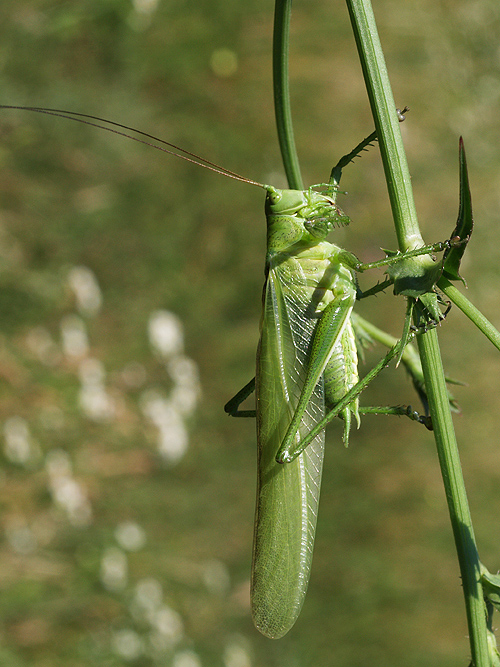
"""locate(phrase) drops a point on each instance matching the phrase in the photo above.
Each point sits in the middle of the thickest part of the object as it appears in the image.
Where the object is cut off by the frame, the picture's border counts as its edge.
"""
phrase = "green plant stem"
(408, 233)
(386, 124)
(281, 88)
(475, 315)
(454, 485)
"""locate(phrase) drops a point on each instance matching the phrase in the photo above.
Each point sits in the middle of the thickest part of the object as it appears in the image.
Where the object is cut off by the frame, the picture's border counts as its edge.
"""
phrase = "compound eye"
(274, 196)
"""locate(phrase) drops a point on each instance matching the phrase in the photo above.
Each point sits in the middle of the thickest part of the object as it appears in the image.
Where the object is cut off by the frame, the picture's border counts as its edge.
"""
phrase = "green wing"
(287, 495)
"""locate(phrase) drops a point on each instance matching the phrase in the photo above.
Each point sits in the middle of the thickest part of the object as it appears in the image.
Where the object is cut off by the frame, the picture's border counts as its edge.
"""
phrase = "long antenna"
(177, 150)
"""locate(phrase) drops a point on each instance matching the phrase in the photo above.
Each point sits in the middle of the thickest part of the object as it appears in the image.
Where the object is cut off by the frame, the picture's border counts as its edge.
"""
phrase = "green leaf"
(463, 229)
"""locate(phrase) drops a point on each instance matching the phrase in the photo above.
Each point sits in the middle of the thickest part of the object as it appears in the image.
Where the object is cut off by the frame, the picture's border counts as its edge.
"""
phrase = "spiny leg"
(350, 260)
(288, 454)
(400, 411)
(341, 375)
(367, 334)
(336, 173)
(409, 358)
(231, 408)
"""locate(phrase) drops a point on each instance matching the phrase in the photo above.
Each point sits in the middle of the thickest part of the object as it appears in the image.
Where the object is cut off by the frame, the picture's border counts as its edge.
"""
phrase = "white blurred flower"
(148, 594)
(148, 597)
(130, 536)
(114, 569)
(145, 6)
(186, 659)
(58, 463)
(68, 494)
(95, 401)
(186, 390)
(86, 290)
(167, 629)
(165, 333)
(173, 436)
(236, 653)
(20, 537)
(168, 623)
(19, 445)
(74, 336)
(127, 644)
(142, 14)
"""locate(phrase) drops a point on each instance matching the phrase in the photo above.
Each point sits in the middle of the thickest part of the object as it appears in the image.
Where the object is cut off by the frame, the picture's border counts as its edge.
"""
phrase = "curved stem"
(282, 106)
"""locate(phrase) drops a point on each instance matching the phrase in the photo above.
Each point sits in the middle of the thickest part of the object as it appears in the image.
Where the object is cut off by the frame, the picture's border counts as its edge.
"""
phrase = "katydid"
(307, 353)
(306, 356)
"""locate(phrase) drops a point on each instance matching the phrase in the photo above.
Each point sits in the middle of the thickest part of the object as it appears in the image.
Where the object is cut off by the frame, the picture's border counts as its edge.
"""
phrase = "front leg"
(395, 257)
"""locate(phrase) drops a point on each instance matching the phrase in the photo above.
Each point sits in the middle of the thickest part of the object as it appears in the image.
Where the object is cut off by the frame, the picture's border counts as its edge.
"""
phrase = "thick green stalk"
(408, 233)
(386, 124)
(282, 106)
(456, 496)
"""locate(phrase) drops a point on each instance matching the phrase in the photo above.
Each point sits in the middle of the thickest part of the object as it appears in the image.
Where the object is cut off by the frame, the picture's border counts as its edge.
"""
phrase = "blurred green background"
(130, 290)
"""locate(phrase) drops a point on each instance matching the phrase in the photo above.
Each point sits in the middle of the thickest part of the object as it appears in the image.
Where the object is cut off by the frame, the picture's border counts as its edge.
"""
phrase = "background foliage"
(116, 549)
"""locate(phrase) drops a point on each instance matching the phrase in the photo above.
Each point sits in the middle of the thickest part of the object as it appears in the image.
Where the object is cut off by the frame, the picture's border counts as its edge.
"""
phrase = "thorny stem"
(408, 233)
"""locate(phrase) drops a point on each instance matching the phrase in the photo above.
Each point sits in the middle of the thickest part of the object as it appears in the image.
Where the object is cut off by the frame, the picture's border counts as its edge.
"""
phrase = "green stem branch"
(473, 313)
